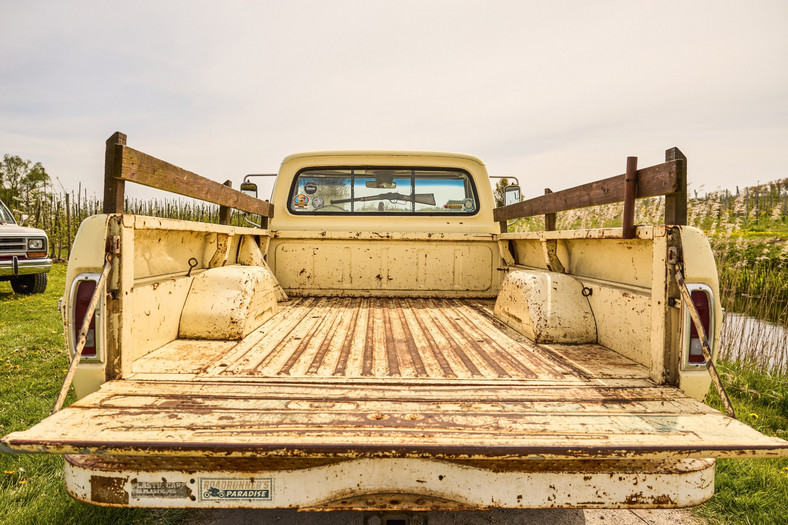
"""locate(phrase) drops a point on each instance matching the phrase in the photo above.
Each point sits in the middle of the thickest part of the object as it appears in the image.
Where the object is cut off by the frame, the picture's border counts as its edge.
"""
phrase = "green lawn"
(752, 490)
(33, 364)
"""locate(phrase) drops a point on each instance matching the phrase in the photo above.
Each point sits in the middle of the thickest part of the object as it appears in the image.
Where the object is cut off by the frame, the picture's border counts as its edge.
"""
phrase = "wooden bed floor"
(324, 337)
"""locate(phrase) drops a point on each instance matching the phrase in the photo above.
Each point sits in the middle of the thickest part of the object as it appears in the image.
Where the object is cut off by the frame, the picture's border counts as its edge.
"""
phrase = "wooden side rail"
(122, 164)
(669, 179)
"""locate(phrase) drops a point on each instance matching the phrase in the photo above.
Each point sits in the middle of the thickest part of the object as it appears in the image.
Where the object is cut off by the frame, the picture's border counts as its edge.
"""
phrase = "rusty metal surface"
(366, 377)
(494, 419)
(419, 484)
(373, 338)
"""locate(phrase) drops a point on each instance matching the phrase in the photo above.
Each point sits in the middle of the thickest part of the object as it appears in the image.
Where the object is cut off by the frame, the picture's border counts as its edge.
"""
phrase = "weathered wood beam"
(628, 221)
(676, 203)
(149, 171)
(549, 218)
(114, 187)
(662, 179)
(225, 213)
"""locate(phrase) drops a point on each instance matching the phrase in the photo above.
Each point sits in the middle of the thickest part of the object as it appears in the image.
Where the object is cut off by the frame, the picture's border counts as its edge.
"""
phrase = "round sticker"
(468, 203)
(317, 202)
(300, 200)
(310, 187)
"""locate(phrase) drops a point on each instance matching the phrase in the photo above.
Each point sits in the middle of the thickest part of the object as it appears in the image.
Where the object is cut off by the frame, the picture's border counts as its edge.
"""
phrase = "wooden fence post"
(676, 203)
(114, 187)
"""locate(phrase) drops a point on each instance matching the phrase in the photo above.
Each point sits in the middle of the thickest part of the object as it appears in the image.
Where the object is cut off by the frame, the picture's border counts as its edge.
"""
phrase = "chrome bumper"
(24, 267)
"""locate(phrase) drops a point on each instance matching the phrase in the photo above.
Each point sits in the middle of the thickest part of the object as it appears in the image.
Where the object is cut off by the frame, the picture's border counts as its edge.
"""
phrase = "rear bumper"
(387, 483)
(24, 267)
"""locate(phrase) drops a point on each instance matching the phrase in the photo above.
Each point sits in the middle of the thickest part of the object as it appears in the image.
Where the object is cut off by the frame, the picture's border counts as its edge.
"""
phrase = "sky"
(556, 93)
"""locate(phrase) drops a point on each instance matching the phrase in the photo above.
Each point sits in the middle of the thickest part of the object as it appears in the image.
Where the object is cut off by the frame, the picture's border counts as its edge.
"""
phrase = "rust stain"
(109, 489)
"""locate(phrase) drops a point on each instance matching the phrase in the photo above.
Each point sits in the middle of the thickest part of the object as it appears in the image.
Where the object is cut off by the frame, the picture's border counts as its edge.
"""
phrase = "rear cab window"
(382, 191)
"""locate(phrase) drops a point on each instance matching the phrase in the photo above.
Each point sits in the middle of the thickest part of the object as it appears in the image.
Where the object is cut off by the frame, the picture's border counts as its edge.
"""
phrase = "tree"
(21, 179)
(499, 192)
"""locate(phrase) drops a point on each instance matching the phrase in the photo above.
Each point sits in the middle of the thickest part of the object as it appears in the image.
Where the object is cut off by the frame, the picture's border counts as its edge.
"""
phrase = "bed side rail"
(122, 163)
(668, 178)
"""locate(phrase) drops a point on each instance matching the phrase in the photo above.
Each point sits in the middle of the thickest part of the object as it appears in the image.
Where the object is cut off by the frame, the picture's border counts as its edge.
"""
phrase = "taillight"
(81, 295)
(703, 299)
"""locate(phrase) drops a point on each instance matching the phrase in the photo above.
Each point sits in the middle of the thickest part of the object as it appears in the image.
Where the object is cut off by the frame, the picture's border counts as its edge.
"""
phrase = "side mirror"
(249, 188)
(511, 195)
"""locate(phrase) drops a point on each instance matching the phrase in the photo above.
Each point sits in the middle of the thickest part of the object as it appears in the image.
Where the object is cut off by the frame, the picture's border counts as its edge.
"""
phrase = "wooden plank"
(676, 203)
(549, 218)
(113, 187)
(662, 179)
(149, 171)
(629, 198)
(225, 213)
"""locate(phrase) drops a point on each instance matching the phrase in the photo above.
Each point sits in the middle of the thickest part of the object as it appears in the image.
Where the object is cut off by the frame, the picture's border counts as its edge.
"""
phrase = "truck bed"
(394, 377)
(331, 337)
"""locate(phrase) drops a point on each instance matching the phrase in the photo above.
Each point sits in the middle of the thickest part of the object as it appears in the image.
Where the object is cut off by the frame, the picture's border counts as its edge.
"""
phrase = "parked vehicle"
(382, 342)
(23, 255)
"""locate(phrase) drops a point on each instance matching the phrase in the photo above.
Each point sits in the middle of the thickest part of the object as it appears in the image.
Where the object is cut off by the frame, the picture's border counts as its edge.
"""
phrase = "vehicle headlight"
(35, 244)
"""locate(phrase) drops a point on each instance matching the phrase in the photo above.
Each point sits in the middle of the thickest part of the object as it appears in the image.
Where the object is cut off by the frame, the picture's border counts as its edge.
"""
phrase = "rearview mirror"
(249, 188)
(376, 184)
(511, 195)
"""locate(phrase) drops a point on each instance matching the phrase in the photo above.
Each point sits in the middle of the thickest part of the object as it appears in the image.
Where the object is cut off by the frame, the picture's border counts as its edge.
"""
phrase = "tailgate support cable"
(83, 332)
(704, 342)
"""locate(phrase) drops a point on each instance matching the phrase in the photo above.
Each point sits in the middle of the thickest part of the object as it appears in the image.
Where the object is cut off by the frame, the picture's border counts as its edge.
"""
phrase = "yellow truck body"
(363, 358)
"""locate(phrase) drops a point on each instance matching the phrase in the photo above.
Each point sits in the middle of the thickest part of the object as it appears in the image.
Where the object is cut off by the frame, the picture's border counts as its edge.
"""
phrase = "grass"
(751, 491)
(33, 364)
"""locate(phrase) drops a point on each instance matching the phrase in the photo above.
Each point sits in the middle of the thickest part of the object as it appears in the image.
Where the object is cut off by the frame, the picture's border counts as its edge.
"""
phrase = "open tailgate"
(337, 417)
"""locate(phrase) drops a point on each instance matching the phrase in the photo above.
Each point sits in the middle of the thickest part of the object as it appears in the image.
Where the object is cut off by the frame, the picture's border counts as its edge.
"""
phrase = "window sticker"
(317, 202)
(300, 200)
(310, 188)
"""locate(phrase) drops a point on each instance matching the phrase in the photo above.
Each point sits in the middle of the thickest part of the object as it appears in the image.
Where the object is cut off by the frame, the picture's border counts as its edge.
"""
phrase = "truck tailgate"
(600, 419)
(348, 377)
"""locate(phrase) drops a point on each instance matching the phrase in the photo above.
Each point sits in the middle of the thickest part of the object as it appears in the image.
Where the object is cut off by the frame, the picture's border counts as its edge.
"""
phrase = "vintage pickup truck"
(23, 255)
(382, 342)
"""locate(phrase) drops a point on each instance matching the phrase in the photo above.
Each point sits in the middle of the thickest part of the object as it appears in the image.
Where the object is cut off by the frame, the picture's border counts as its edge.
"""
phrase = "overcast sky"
(556, 93)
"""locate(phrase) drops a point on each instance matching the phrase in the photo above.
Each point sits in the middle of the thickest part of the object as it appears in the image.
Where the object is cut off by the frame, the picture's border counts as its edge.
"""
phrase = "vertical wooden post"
(68, 226)
(549, 218)
(114, 188)
(59, 232)
(676, 203)
(630, 192)
(224, 211)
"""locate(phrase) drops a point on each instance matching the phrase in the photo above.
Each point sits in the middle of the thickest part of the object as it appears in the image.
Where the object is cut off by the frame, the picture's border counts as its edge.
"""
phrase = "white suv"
(23, 255)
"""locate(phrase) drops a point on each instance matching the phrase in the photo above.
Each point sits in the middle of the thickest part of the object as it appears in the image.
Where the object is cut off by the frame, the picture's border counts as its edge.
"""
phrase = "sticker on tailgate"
(212, 489)
(159, 489)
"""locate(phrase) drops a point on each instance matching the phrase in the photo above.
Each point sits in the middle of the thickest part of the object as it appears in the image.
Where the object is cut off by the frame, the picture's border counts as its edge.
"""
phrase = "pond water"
(746, 338)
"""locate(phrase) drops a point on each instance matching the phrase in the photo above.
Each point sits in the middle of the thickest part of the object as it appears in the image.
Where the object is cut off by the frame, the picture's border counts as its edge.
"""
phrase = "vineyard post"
(68, 226)
(59, 230)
